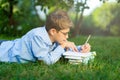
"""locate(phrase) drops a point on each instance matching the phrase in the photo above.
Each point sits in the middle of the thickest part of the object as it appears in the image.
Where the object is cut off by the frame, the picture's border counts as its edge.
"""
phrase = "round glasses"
(64, 33)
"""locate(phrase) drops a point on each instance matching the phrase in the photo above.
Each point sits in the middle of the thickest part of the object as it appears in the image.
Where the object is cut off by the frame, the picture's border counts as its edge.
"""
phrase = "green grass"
(106, 65)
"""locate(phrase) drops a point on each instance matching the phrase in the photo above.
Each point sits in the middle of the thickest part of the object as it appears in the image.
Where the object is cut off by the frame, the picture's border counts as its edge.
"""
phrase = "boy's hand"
(71, 45)
(85, 48)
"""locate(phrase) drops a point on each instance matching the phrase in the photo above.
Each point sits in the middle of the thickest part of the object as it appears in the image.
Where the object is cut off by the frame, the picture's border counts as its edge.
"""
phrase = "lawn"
(106, 65)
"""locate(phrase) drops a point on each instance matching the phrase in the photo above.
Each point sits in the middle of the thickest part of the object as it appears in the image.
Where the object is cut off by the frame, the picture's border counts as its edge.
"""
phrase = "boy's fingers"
(75, 49)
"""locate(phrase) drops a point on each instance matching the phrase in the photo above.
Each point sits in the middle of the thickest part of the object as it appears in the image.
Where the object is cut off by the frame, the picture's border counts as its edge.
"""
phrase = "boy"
(46, 43)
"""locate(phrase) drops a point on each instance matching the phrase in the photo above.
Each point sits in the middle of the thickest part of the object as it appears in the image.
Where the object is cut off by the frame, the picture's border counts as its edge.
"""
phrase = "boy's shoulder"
(37, 31)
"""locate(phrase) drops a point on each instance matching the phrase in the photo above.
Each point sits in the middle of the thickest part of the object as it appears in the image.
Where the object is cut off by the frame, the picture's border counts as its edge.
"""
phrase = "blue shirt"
(35, 45)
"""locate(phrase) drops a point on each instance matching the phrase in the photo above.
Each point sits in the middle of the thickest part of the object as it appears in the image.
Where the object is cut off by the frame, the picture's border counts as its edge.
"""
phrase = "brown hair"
(58, 20)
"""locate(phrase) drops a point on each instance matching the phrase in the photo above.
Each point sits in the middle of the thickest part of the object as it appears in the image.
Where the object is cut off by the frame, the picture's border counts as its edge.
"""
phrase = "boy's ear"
(52, 31)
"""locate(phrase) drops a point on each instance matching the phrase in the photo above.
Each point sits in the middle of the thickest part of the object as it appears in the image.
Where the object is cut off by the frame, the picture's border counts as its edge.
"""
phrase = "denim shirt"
(35, 45)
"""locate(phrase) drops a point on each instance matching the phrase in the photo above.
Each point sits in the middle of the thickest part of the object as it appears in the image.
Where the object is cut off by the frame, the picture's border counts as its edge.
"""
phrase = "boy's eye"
(64, 33)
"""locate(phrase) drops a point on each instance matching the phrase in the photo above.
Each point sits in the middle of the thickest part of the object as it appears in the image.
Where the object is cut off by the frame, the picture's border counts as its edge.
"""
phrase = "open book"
(75, 57)
(78, 57)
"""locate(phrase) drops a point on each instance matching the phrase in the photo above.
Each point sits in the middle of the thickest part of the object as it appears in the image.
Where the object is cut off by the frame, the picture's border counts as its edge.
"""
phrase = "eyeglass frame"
(64, 33)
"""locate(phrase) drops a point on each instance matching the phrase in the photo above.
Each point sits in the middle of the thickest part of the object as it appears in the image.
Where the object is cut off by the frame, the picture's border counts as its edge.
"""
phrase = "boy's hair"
(58, 20)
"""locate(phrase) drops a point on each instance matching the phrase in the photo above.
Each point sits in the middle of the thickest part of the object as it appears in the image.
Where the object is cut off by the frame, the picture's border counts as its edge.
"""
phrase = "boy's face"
(62, 35)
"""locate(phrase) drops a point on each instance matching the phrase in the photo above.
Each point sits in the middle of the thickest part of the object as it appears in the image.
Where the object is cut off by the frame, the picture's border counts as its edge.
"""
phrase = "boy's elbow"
(49, 62)
(45, 62)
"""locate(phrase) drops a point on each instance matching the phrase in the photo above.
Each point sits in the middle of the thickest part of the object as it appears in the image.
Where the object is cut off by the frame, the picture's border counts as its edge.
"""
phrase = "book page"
(77, 54)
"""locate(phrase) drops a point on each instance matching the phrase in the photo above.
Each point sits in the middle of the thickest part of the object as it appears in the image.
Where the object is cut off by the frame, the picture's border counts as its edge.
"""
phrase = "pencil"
(87, 39)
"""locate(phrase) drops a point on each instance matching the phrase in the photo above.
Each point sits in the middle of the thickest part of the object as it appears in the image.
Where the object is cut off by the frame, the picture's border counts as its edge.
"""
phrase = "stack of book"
(77, 57)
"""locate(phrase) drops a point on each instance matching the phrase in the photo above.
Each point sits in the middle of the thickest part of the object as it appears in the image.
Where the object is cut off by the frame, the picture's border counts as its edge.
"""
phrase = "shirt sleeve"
(42, 51)
(78, 47)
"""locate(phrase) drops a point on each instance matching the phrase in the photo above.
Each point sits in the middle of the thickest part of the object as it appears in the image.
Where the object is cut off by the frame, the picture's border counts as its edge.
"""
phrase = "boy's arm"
(82, 48)
(69, 45)
(41, 51)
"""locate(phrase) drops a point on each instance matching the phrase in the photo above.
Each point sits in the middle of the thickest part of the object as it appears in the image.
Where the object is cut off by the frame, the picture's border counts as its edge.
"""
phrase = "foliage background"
(19, 16)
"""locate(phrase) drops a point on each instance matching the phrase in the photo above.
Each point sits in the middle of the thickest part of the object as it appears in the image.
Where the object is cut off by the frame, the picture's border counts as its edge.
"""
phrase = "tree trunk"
(11, 21)
(78, 21)
(11, 28)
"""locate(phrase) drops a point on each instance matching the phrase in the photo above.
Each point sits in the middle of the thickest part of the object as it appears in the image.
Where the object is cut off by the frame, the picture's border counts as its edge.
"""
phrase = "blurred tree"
(118, 1)
(6, 11)
(107, 18)
(54, 4)
(28, 17)
(19, 16)
(80, 6)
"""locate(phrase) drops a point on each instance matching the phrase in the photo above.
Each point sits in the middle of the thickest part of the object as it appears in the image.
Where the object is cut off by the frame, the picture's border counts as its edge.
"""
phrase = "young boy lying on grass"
(46, 43)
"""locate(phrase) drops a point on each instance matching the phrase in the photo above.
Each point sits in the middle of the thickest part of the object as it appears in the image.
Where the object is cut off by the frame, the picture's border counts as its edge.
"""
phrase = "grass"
(106, 65)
